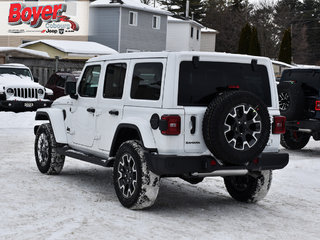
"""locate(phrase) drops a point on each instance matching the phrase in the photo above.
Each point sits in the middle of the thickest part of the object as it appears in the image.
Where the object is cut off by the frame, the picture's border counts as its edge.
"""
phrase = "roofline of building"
(186, 21)
(31, 52)
(116, 5)
(62, 50)
(209, 30)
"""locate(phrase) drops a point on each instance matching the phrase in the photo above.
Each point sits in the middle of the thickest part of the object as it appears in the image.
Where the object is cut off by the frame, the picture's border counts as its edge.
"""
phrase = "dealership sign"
(55, 17)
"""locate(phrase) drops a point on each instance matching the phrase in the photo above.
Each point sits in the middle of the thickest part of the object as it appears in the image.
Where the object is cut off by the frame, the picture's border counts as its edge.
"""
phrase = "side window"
(156, 22)
(146, 81)
(114, 80)
(70, 78)
(51, 80)
(60, 82)
(89, 82)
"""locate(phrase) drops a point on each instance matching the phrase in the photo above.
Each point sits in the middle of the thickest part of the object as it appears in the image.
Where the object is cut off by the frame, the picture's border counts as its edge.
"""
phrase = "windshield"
(16, 71)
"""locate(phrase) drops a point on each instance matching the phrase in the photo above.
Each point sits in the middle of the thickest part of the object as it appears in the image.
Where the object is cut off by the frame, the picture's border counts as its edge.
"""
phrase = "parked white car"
(152, 115)
(18, 90)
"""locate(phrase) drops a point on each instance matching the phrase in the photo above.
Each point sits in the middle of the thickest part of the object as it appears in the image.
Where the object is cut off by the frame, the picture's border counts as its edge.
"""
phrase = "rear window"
(198, 85)
(309, 77)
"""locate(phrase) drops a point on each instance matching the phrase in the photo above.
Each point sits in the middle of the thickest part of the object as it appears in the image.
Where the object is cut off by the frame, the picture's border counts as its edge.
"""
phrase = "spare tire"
(291, 100)
(236, 127)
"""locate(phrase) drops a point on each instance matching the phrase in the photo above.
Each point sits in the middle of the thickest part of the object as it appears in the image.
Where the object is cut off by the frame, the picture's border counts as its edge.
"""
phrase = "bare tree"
(262, 18)
(300, 45)
(228, 18)
(148, 2)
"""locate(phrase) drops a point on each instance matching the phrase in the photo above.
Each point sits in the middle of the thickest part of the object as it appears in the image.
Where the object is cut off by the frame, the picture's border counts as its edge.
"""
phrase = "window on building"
(114, 80)
(146, 81)
(156, 22)
(198, 33)
(191, 32)
(132, 50)
(25, 41)
(133, 18)
(89, 82)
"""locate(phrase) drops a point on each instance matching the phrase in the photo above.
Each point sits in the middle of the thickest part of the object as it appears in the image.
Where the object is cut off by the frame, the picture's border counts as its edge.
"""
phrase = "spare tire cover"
(291, 100)
(236, 127)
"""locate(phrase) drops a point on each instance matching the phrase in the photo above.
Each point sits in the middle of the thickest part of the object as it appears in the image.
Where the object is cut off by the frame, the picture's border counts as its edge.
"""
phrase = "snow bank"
(9, 120)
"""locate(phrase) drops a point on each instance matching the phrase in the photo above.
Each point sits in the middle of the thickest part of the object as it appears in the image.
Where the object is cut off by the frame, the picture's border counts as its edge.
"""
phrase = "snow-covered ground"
(80, 203)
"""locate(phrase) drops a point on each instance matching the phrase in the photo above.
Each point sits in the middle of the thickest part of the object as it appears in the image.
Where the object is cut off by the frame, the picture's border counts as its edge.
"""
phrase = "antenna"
(187, 8)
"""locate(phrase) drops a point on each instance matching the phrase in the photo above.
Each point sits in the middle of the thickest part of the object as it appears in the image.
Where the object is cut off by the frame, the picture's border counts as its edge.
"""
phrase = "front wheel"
(47, 159)
(135, 185)
(249, 188)
(294, 140)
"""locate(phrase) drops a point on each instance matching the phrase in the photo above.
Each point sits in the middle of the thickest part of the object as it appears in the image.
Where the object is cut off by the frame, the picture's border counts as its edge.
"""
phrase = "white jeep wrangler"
(18, 90)
(152, 115)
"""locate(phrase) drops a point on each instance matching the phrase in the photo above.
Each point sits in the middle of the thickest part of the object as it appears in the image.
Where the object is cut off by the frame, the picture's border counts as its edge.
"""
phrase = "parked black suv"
(299, 100)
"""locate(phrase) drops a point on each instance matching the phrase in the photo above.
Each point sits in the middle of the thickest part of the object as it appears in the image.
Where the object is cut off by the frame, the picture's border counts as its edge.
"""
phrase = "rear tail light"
(317, 106)
(279, 125)
(170, 124)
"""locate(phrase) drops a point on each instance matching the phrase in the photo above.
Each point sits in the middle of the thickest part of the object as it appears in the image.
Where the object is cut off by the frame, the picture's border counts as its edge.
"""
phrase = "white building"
(208, 39)
(183, 35)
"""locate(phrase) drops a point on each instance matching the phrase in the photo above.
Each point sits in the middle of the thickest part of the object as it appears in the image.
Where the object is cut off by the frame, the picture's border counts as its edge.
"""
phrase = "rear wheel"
(135, 185)
(47, 159)
(249, 188)
(294, 140)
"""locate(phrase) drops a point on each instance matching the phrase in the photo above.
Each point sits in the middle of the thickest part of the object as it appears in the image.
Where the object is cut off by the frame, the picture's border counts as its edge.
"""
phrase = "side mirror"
(70, 89)
(36, 79)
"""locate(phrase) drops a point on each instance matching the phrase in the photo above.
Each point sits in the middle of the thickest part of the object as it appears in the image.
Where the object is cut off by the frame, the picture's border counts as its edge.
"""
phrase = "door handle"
(114, 112)
(91, 110)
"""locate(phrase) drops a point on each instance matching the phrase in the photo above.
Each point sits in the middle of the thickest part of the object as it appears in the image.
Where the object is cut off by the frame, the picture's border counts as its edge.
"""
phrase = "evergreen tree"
(197, 8)
(244, 40)
(254, 46)
(285, 48)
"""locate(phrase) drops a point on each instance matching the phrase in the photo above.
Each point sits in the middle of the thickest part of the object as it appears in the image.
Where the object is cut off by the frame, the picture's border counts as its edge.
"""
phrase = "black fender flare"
(115, 144)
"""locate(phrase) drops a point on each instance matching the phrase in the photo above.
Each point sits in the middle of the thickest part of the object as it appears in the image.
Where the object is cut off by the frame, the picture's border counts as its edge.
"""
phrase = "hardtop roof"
(13, 65)
(140, 55)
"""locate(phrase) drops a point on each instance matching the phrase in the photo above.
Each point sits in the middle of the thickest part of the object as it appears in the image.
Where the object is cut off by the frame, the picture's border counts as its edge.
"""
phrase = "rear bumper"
(20, 106)
(310, 124)
(165, 165)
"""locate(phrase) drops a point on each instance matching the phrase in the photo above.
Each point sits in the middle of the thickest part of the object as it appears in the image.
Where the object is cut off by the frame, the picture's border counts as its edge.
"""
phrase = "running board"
(85, 157)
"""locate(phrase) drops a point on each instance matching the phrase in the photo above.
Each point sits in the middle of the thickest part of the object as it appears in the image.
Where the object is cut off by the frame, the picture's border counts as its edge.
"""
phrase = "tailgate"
(193, 138)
